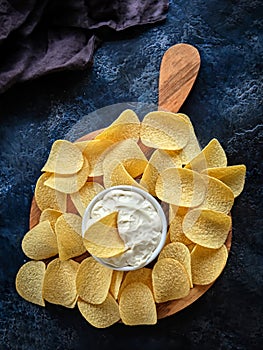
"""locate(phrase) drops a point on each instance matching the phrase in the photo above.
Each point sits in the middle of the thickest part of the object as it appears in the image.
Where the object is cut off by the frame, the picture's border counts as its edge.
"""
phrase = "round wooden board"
(178, 71)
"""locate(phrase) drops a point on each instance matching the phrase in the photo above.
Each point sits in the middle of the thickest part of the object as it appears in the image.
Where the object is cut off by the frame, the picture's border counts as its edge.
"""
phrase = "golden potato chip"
(159, 161)
(126, 126)
(170, 280)
(93, 281)
(104, 233)
(213, 155)
(164, 130)
(82, 198)
(207, 264)
(176, 229)
(29, 281)
(101, 251)
(47, 198)
(207, 228)
(218, 196)
(116, 280)
(68, 231)
(179, 252)
(65, 158)
(143, 275)
(50, 215)
(40, 242)
(82, 144)
(100, 316)
(137, 306)
(181, 187)
(192, 148)
(60, 282)
(232, 176)
(119, 176)
(95, 151)
(69, 183)
(129, 154)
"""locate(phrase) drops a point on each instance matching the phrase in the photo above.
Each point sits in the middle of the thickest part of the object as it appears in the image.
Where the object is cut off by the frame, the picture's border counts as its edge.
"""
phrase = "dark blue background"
(226, 103)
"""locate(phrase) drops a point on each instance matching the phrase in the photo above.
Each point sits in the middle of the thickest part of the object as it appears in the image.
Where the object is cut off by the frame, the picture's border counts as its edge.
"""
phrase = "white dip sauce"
(139, 225)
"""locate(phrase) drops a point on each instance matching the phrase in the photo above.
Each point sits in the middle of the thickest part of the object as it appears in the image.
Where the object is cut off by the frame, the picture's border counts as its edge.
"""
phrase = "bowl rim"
(147, 196)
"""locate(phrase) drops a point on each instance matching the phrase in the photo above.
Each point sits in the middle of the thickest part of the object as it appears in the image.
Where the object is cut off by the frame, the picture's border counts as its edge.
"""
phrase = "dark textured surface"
(225, 103)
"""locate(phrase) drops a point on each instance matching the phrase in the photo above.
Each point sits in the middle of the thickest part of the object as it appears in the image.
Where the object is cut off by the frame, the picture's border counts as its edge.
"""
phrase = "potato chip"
(116, 280)
(179, 252)
(95, 151)
(102, 252)
(218, 196)
(192, 148)
(65, 158)
(119, 176)
(137, 306)
(69, 183)
(47, 198)
(100, 316)
(40, 242)
(207, 228)
(93, 281)
(129, 154)
(164, 130)
(82, 144)
(126, 126)
(60, 282)
(50, 215)
(68, 231)
(159, 161)
(170, 280)
(191, 247)
(232, 176)
(82, 198)
(207, 264)
(181, 187)
(143, 275)
(176, 221)
(213, 155)
(29, 281)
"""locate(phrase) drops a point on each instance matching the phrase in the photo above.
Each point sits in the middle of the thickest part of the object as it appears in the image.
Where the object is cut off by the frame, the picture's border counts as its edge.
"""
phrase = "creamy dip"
(139, 225)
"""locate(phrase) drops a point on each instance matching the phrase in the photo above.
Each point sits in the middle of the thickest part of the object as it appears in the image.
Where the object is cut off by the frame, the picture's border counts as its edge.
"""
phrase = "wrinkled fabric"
(43, 36)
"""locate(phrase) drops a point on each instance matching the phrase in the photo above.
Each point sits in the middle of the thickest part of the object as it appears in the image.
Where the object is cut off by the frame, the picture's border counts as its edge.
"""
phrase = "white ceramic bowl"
(156, 205)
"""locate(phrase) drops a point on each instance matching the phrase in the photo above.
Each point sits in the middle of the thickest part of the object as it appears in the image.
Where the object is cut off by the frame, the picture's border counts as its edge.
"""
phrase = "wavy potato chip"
(137, 306)
(218, 196)
(176, 217)
(50, 215)
(68, 231)
(207, 228)
(69, 183)
(60, 282)
(116, 281)
(232, 176)
(129, 154)
(65, 158)
(29, 281)
(179, 252)
(48, 198)
(93, 281)
(126, 126)
(213, 155)
(100, 316)
(181, 187)
(170, 280)
(40, 242)
(95, 151)
(143, 275)
(192, 148)
(164, 130)
(207, 264)
(82, 198)
(159, 161)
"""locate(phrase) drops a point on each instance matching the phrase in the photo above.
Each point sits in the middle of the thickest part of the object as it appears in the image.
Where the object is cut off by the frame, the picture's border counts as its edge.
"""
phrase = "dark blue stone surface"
(226, 103)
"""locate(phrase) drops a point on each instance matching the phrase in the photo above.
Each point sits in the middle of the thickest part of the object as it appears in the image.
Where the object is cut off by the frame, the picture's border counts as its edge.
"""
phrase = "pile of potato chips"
(161, 155)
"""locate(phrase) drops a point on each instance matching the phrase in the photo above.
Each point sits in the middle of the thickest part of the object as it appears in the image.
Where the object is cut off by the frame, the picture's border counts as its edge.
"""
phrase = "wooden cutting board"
(179, 69)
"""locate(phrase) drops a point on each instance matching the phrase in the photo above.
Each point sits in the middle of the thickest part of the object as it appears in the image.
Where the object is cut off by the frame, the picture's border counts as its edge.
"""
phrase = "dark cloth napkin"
(42, 36)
